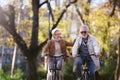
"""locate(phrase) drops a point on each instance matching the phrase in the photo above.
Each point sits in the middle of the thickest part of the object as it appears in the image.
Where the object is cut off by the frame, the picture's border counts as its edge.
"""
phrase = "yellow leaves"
(43, 29)
(99, 18)
(42, 12)
(63, 25)
(85, 7)
(113, 30)
(64, 7)
(116, 51)
(42, 36)
(9, 42)
(103, 27)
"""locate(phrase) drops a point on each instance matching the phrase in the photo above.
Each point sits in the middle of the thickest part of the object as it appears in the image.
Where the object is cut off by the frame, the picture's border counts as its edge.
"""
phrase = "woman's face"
(57, 34)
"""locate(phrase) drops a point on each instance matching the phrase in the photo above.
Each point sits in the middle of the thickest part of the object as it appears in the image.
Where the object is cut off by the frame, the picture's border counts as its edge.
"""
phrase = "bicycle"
(85, 72)
(55, 70)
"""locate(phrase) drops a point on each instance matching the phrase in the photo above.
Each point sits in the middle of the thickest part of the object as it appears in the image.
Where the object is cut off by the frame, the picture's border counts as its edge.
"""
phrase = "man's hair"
(84, 26)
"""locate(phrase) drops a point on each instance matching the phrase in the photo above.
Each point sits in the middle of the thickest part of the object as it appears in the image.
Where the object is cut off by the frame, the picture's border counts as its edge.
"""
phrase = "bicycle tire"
(86, 76)
(55, 76)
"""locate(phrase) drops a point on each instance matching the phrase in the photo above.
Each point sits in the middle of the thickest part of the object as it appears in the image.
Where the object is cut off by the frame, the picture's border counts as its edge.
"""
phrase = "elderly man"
(85, 45)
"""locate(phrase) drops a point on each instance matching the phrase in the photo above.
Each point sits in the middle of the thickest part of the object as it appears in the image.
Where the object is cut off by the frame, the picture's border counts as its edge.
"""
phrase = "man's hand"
(42, 55)
(73, 57)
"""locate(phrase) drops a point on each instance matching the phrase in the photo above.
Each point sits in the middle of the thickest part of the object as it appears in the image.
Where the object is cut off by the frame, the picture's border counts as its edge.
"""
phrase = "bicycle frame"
(55, 71)
(85, 72)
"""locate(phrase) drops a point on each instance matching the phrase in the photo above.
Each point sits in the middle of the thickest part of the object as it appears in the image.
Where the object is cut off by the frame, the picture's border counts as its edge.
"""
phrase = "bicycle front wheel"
(86, 76)
(55, 76)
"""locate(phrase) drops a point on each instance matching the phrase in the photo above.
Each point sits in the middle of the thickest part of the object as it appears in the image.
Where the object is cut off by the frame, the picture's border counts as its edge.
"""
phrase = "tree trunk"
(31, 69)
(117, 72)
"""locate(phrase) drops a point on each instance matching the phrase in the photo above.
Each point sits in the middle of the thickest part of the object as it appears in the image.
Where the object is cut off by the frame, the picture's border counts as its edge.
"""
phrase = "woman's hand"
(97, 56)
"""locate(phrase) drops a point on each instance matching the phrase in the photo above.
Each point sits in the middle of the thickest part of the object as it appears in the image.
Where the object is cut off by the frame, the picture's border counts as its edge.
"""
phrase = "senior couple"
(84, 45)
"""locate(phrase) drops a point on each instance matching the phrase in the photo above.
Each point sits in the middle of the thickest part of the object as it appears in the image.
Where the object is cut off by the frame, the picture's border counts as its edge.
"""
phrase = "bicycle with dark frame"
(55, 70)
(85, 75)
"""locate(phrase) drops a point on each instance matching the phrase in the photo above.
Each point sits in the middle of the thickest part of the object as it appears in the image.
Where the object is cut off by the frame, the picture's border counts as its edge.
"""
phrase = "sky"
(3, 2)
(95, 3)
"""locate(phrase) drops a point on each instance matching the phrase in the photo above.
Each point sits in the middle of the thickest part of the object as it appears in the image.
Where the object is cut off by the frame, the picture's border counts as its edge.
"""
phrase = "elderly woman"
(56, 47)
(84, 46)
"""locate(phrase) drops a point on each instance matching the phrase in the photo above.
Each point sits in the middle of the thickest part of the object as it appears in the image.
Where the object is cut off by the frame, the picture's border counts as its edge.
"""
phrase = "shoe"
(78, 78)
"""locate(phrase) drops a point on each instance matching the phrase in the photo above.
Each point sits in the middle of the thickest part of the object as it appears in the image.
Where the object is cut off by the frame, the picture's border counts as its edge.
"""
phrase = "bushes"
(4, 76)
(68, 71)
(17, 76)
(106, 72)
(42, 73)
(108, 69)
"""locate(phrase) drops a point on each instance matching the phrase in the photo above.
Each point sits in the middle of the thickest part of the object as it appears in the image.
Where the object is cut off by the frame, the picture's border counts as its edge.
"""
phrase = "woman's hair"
(54, 30)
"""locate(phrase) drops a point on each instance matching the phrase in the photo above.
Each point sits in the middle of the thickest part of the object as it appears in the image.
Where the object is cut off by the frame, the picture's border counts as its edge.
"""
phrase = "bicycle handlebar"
(87, 55)
(52, 56)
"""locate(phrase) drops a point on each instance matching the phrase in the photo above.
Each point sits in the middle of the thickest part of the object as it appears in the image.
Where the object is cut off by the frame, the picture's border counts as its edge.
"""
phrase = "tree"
(7, 21)
(116, 4)
(117, 72)
(101, 21)
(92, 17)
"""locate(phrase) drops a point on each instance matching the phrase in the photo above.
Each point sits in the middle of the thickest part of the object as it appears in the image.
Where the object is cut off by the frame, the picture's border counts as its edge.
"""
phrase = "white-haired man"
(84, 46)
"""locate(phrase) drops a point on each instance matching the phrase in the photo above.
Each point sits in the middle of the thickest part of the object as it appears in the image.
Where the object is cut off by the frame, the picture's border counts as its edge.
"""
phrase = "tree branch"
(113, 9)
(80, 15)
(88, 9)
(9, 25)
(11, 15)
(50, 10)
(21, 43)
(43, 3)
(60, 17)
(42, 44)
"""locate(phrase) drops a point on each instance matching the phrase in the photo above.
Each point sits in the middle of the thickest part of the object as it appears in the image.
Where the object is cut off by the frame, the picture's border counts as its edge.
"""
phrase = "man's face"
(84, 32)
